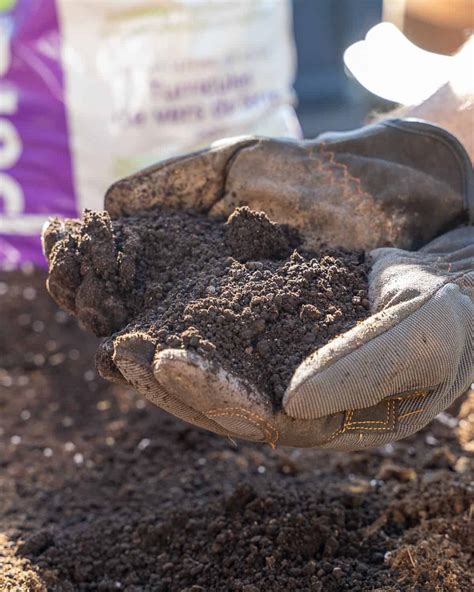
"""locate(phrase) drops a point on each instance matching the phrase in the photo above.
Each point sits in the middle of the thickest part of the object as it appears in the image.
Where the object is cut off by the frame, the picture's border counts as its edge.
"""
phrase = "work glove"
(394, 183)
(382, 380)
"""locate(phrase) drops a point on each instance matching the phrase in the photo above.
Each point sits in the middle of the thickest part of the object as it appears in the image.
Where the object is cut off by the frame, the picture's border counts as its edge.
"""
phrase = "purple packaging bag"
(35, 158)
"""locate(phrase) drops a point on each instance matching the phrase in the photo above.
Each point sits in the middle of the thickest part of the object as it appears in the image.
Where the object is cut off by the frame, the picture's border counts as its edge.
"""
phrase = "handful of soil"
(242, 292)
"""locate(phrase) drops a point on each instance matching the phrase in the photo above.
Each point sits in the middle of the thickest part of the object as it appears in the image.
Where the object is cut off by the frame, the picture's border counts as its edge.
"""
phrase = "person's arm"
(452, 105)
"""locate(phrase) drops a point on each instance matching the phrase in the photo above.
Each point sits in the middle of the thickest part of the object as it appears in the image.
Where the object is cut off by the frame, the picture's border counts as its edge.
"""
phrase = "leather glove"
(382, 380)
(395, 183)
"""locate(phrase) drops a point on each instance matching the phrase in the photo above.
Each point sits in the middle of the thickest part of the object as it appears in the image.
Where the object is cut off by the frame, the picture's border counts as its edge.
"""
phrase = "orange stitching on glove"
(257, 420)
(349, 183)
(384, 422)
(339, 431)
(387, 424)
(420, 393)
(390, 420)
(250, 420)
(410, 413)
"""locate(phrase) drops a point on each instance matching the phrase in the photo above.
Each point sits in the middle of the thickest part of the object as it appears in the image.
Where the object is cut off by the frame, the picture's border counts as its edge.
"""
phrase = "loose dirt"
(242, 292)
(102, 491)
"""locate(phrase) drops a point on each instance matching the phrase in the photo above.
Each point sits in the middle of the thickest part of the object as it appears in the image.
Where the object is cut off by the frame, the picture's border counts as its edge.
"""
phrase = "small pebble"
(38, 326)
(51, 345)
(447, 420)
(29, 293)
(431, 440)
(463, 464)
(6, 381)
(60, 317)
(388, 449)
(27, 268)
(89, 375)
(143, 444)
(74, 354)
(57, 359)
(39, 360)
(104, 405)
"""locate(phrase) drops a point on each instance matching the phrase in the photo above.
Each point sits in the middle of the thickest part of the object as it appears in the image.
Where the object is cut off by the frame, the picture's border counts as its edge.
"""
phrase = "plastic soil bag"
(91, 91)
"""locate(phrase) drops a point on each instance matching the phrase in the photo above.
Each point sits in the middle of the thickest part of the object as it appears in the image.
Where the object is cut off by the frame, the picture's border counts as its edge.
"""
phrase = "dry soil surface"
(100, 490)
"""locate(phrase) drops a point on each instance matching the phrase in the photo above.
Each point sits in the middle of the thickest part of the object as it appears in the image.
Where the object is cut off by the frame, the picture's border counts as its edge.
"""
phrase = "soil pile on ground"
(102, 491)
(236, 292)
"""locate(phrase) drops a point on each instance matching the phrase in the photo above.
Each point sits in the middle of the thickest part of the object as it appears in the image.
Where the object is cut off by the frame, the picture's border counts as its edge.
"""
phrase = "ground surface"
(99, 490)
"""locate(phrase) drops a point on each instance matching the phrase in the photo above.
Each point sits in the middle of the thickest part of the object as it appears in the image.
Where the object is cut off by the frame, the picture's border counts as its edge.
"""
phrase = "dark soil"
(236, 292)
(100, 490)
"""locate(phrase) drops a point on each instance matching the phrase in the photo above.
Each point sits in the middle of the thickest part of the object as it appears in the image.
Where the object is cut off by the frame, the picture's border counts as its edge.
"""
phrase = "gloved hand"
(395, 183)
(385, 378)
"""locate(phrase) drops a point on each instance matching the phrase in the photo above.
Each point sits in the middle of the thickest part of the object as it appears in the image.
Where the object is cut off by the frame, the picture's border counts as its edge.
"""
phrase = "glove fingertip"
(105, 364)
(210, 389)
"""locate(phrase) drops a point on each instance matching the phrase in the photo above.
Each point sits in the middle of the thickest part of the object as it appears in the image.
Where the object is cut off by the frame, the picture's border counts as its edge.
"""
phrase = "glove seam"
(388, 423)
(446, 138)
(254, 418)
(226, 170)
(411, 413)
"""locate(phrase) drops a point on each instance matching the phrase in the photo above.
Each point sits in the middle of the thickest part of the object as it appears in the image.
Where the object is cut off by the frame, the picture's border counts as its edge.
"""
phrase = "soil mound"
(241, 292)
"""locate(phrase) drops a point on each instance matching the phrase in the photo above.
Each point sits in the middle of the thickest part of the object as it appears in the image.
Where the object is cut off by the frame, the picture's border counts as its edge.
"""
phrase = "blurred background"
(329, 99)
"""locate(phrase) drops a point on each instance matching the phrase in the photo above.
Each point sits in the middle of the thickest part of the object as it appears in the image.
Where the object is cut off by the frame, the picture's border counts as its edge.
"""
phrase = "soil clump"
(243, 293)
